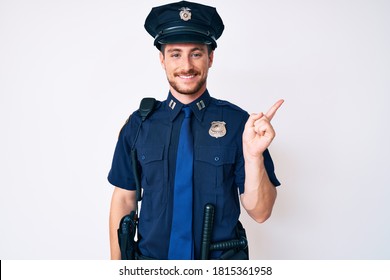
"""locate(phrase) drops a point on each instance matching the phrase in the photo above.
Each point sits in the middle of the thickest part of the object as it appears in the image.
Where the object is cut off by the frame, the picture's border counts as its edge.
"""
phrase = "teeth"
(186, 77)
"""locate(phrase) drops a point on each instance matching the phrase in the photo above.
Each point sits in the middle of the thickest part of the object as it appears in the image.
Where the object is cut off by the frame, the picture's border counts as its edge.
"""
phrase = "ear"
(211, 59)
(162, 60)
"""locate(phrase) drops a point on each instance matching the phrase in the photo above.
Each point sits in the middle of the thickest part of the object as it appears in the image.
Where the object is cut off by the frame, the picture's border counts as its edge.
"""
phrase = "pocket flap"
(215, 155)
(150, 154)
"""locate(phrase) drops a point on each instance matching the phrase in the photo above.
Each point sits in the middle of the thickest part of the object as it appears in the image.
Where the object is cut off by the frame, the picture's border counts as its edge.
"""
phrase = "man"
(229, 156)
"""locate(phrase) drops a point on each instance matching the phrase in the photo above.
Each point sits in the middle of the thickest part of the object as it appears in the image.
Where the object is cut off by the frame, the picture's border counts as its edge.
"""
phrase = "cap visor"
(184, 38)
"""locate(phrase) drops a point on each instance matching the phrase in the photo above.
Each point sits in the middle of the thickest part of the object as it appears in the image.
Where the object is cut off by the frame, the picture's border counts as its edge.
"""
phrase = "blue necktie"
(181, 246)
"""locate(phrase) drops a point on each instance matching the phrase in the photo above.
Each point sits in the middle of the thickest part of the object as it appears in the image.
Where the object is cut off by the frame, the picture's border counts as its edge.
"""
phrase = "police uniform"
(217, 128)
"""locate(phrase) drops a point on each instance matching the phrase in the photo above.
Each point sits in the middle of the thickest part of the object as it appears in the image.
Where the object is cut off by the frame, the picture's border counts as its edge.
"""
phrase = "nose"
(187, 63)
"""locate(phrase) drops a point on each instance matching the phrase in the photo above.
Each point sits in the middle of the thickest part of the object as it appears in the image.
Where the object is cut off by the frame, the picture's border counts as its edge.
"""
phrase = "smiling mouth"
(186, 77)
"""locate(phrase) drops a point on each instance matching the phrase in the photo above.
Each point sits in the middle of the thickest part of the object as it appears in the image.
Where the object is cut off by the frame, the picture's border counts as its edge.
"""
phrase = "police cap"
(184, 22)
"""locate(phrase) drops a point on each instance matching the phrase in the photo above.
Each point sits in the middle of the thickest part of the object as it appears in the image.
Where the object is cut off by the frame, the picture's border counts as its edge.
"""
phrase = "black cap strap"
(175, 29)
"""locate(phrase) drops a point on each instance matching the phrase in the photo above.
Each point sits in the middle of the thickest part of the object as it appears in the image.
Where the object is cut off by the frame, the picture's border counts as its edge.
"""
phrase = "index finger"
(272, 111)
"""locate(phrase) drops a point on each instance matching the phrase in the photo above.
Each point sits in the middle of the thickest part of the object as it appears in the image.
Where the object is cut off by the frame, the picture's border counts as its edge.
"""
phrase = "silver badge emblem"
(217, 129)
(185, 14)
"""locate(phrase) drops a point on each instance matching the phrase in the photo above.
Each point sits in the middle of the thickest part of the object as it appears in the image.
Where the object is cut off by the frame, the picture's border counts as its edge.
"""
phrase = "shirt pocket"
(214, 167)
(151, 159)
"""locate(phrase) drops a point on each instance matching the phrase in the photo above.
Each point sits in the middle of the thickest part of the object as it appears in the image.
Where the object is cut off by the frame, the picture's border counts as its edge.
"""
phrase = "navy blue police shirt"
(218, 169)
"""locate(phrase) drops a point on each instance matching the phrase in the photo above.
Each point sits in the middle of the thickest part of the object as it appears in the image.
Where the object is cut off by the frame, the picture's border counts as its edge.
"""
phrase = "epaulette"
(220, 102)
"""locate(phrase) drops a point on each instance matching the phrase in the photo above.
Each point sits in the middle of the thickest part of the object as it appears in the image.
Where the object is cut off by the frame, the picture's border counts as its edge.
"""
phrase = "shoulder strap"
(128, 225)
(146, 107)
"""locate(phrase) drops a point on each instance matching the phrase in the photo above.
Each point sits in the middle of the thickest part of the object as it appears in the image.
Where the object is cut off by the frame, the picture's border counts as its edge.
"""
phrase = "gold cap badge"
(185, 13)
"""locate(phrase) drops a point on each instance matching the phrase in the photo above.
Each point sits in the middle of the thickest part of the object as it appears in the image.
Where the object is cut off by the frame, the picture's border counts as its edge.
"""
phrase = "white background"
(72, 71)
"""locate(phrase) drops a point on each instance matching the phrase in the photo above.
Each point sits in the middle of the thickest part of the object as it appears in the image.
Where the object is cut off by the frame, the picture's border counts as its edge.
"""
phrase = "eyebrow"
(180, 50)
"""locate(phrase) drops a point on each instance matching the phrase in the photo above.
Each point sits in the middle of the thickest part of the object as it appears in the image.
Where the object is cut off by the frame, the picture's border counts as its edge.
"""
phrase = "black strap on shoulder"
(146, 108)
(128, 225)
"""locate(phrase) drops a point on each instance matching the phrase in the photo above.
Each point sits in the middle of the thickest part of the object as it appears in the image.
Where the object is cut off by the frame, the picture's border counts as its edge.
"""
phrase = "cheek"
(168, 70)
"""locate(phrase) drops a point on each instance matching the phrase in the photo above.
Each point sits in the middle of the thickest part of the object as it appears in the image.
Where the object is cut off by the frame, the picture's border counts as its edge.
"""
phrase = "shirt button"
(143, 157)
(216, 158)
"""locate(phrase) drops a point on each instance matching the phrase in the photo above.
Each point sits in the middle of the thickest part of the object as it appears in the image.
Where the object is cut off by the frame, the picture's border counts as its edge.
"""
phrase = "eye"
(197, 54)
(175, 55)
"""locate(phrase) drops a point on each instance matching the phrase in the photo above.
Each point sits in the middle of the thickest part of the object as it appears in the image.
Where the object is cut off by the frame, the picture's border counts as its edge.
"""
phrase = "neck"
(186, 98)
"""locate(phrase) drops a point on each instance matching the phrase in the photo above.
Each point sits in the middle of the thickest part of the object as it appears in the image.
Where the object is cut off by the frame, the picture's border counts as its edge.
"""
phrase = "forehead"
(185, 47)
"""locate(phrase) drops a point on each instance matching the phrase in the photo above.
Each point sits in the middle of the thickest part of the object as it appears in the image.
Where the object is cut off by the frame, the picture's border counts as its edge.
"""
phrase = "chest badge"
(217, 129)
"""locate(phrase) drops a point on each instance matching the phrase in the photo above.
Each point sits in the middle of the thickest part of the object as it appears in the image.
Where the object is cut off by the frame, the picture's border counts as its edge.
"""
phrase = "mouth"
(186, 77)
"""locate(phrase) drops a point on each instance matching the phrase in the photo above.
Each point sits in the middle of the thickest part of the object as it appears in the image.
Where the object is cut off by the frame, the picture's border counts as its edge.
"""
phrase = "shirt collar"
(198, 106)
